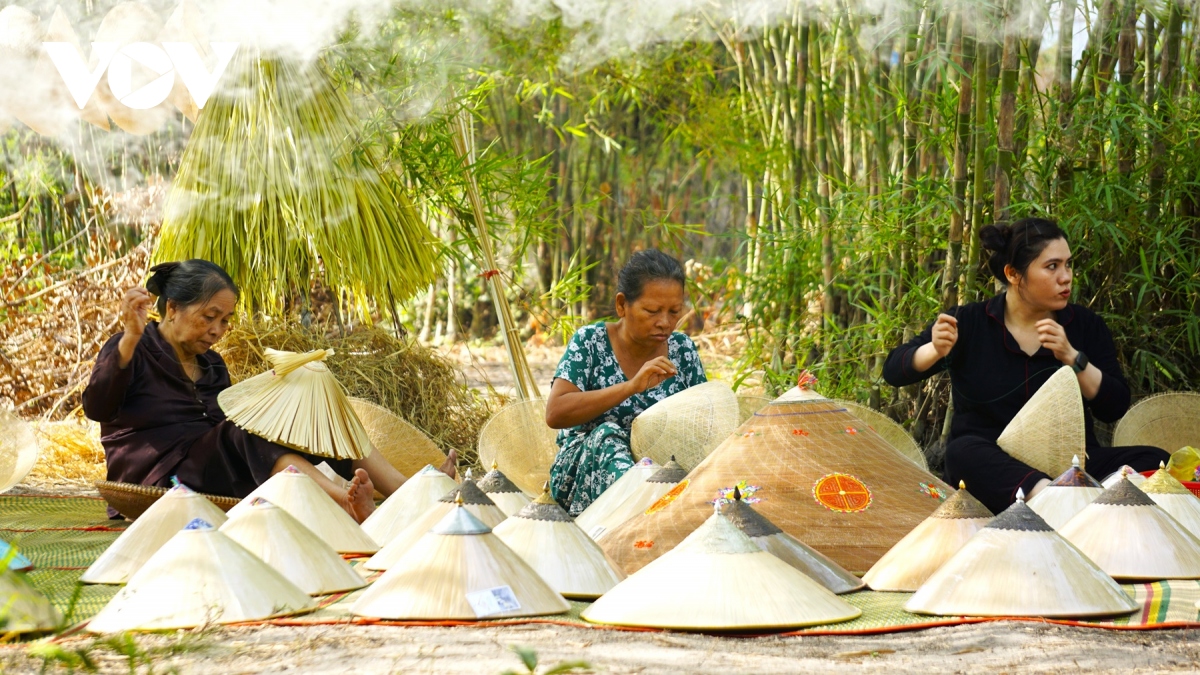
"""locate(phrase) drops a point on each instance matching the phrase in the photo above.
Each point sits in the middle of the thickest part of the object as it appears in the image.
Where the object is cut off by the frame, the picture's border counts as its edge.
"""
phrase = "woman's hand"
(1053, 337)
(943, 338)
(652, 374)
(135, 309)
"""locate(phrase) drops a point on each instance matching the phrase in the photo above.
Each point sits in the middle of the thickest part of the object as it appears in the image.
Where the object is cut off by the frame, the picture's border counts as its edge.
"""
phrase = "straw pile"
(70, 453)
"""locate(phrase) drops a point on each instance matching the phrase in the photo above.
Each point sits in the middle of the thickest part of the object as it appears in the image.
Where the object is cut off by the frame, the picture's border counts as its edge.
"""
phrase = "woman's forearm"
(924, 358)
(1089, 381)
(567, 409)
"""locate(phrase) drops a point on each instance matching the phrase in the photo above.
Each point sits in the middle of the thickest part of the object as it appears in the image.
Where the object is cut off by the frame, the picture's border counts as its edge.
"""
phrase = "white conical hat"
(545, 537)
(298, 404)
(686, 426)
(459, 570)
(616, 494)
(1049, 428)
(921, 552)
(787, 548)
(408, 502)
(1019, 566)
(1127, 472)
(23, 608)
(300, 496)
(718, 579)
(1058, 502)
(200, 577)
(641, 497)
(18, 447)
(473, 499)
(1174, 498)
(289, 547)
(503, 491)
(1131, 537)
(141, 540)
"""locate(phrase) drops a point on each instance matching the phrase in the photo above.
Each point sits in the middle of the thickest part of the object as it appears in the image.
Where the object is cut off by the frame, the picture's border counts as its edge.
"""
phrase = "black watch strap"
(1081, 362)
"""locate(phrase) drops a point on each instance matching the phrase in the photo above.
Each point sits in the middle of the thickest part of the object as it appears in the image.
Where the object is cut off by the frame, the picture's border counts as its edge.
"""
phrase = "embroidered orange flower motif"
(851, 430)
(799, 432)
(842, 493)
(642, 543)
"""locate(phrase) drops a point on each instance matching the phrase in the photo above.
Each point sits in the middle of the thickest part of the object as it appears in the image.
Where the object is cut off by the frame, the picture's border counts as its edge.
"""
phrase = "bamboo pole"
(1066, 145)
(962, 145)
(1010, 62)
(1166, 84)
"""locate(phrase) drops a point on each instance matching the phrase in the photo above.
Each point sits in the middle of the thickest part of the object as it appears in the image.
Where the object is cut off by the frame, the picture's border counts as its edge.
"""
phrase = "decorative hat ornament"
(1059, 501)
(503, 491)
(1174, 498)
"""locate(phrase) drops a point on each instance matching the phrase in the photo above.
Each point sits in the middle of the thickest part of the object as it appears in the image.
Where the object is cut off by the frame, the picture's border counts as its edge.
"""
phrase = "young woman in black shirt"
(999, 352)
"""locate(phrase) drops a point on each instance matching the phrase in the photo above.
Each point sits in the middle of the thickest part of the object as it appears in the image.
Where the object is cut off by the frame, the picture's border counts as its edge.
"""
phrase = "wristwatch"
(1081, 362)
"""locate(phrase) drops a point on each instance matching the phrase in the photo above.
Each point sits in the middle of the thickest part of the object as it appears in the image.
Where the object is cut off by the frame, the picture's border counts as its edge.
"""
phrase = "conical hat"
(896, 435)
(921, 552)
(1070, 493)
(503, 491)
(1019, 566)
(292, 549)
(1128, 472)
(1049, 428)
(23, 608)
(459, 570)
(16, 561)
(545, 537)
(518, 441)
(1174, 498)
(616, 494)
(686, 425)
(200, 577)
(1168, 421)
(398, 511)
(820, 475)
(718, 579)
(141, 540)
(300, 496)
(298, 404)
(18, 449)
(130, 22)
(404, 446)
(645, 495)
(786, 547)
(473, 500)
(1131, 537)
(748, 404)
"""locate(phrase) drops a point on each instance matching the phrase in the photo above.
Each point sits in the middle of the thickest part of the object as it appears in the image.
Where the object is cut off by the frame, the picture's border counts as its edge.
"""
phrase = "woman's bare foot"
(360, 496)
(449, 467)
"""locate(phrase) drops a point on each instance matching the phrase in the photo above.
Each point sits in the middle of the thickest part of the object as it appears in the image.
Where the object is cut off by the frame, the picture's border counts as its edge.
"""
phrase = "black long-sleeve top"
(992, 378)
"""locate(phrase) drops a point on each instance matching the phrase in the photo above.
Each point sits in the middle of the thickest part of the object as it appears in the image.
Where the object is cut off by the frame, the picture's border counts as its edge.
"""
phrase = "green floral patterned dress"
(593, 455)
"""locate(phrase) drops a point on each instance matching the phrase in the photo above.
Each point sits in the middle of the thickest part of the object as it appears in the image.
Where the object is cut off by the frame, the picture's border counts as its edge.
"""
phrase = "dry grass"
(70, 453)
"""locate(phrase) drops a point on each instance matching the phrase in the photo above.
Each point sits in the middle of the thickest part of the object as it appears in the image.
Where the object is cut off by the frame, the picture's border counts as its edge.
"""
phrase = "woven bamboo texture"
(1167, 421)
(891, 431)
(1049, 429)
(404, 446)
(686, 426)
(132, 500)
(812, 469)
(518, 441)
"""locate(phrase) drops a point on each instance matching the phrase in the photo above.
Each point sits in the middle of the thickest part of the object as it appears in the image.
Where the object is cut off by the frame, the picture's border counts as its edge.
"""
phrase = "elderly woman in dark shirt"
(999, 353)
(154, 392)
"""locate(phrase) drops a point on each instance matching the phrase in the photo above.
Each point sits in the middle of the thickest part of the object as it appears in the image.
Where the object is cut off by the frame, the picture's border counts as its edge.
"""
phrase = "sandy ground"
(992, 647)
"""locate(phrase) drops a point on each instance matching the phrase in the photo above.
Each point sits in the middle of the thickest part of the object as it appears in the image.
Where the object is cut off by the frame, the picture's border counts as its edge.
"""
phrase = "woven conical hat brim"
(1049, 429)
(896, 435)
(408, 502)
(300, 496)
(305, 410)
(404, 446)
(616, 494)
(1019, 573)
(921, 552)
(141, 540)
(718, 579)
(293, 550)
(642, 498)
(520, 444)
(787, 451)
(748, 404)
(200, 577)
(819, 568)
(1167, 421)
(509, 502)
(395, 549)
(18, 449)
(686, 425)
(432, 580)
(1135, 542)
(562, 554)
(1057, 505)
(23, 608)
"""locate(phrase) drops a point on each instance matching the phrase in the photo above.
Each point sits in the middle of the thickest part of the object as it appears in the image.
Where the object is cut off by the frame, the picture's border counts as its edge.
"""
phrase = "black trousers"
(992, 476)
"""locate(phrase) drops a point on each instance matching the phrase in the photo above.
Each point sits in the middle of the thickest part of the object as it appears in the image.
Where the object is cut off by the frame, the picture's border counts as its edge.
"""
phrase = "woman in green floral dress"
(593, 399)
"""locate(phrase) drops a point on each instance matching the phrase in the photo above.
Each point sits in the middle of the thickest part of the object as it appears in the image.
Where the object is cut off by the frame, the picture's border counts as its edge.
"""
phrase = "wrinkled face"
(655, 313)
(1046, 284)
(196, 328)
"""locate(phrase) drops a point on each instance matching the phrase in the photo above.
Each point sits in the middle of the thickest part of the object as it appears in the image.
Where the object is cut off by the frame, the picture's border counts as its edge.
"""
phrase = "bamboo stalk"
(1066, 146)
(1166, 82)
(962, 146)
(1010, 62)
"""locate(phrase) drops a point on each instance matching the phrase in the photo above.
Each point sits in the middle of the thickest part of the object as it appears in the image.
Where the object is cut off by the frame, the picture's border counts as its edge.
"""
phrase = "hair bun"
(159, 275)
(997, 237)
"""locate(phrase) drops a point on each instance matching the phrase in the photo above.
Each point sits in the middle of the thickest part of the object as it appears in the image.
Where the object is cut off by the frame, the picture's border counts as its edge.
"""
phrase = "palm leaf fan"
(298, 404)
(276, 186)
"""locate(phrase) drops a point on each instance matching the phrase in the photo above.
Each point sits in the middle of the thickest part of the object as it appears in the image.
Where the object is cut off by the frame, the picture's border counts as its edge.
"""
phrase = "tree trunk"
(1010, 63)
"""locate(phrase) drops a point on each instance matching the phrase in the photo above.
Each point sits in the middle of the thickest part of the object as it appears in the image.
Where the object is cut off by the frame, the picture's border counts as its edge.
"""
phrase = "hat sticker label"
(491, 601)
